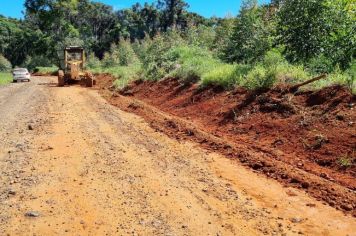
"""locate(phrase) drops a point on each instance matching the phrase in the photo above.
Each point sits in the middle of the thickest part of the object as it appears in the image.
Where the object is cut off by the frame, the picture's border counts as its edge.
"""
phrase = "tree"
(310, 28)
(98, 26)
(173, 13)
(222, 36)
(250, 38)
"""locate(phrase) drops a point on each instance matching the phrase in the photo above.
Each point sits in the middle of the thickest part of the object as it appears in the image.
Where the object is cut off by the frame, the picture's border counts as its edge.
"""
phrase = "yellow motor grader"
(72, 68)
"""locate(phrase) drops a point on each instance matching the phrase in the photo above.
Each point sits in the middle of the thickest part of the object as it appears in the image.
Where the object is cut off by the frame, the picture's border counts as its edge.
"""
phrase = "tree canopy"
(305, 31)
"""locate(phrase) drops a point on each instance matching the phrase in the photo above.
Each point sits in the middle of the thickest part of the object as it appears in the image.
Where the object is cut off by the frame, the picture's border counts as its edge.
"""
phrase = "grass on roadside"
(191, 63)
(46, 70)
(124, 74)
(5, 78)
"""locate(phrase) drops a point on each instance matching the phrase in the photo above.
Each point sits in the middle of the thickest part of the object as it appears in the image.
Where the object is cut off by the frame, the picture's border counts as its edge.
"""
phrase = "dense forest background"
(284, 41)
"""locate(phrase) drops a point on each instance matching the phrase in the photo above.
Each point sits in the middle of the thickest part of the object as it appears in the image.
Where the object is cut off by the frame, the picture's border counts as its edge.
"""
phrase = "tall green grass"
(5, 78)
(263, 74)
(46, 70)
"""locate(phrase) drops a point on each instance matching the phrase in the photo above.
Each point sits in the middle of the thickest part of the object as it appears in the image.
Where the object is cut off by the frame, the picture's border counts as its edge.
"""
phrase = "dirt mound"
(281, 135)
(104, 81)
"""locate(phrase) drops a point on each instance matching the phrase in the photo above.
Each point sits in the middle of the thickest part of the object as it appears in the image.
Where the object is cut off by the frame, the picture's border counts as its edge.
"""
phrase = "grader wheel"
(89, 80)
(61, 80)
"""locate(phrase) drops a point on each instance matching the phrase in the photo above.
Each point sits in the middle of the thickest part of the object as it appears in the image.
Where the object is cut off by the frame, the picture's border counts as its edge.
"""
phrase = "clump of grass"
(225, 75)
(5, 78)
(345, 161)
(257, 78)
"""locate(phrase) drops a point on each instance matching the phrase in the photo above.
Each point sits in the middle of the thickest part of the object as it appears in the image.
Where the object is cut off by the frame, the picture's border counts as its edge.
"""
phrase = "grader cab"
(72, 68)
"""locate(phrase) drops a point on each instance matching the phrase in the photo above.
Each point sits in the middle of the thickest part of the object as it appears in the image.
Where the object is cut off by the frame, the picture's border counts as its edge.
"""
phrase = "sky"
(207, 8)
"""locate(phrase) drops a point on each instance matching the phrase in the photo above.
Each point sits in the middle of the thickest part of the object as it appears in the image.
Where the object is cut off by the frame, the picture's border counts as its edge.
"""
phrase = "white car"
(21, 74)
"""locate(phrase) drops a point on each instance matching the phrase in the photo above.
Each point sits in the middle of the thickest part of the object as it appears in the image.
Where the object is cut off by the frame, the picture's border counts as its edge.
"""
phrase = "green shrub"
(153, 61)
(345, 161)
(5, 65)
(108, 60)
(272, 68)
(126, 54)
(120, 54)
(202, 36)
(192, 69)
(320, 64)
(31, 63)
(259, 77)
(337, 77)
(289, 74)
(157, 62)
(140, 47)
(190, 62)
(92, 61)
(273, 58)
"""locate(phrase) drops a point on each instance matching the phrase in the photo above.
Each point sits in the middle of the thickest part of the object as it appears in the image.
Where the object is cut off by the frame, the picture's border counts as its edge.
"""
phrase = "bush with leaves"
(202, 36)
(223, 34)
(258, 78)
(5, 65)
(155, 63)
(140, 47)
(320, 64)
(92, 61)
(36, 61)
(280, 70)
(126, 54)
(108, 60)
(191, 62)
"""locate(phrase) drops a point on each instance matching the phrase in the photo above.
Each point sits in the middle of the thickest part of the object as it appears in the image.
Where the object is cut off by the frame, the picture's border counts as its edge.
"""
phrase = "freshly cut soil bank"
(306, 140)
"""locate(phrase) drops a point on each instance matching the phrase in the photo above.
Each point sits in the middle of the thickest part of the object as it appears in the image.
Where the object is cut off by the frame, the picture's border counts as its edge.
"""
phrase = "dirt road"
(71, 164)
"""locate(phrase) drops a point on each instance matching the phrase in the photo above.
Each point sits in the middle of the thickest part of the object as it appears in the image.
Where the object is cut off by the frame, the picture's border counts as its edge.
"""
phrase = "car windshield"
(74, 56)
(20, 70)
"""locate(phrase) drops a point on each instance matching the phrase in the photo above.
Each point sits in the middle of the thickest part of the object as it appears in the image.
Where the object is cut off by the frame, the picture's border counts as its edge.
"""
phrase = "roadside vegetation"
(283, 42)
(5, 68)
(46, 70)
(259, 48)
(5, 78)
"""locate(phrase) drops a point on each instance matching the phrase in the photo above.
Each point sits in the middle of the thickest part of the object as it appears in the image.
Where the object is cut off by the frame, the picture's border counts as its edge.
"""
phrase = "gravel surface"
(71, 164)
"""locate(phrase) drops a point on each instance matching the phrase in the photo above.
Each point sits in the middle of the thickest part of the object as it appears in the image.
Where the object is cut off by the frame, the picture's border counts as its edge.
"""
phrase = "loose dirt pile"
(306, 140)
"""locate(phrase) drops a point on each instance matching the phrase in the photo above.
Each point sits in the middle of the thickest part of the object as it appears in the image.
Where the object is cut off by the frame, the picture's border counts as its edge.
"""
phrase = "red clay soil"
(305, 140)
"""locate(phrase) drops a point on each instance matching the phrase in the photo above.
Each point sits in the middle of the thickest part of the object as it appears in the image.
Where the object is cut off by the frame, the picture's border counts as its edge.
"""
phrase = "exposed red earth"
(306, 139)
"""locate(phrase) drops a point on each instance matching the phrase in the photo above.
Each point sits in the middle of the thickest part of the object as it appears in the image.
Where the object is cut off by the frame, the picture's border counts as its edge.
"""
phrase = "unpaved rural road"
(71, 164)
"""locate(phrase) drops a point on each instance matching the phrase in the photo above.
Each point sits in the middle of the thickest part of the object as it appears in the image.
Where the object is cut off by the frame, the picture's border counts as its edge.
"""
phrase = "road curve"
(71, 164)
